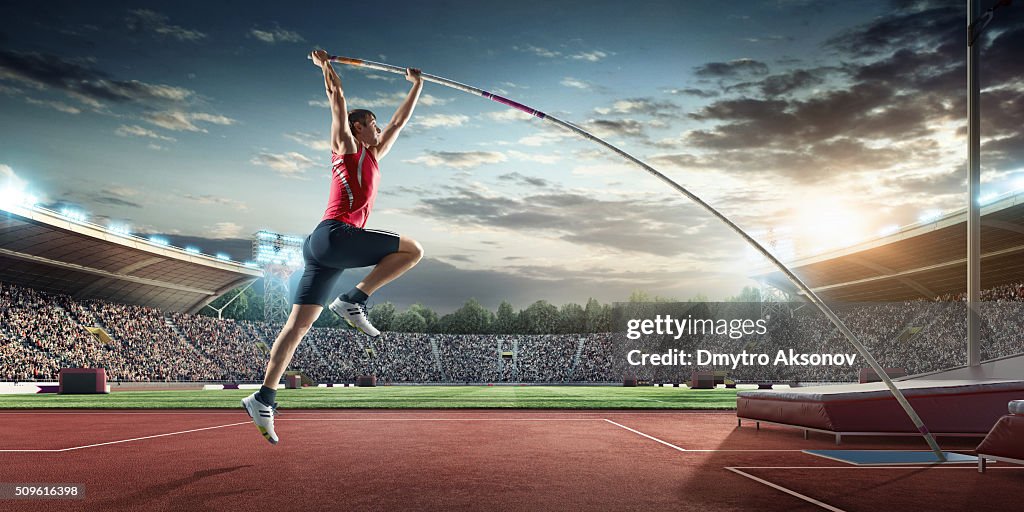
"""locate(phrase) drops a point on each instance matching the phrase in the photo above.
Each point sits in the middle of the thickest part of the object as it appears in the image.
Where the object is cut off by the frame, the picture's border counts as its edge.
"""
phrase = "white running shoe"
(355, 314)
(262, 415)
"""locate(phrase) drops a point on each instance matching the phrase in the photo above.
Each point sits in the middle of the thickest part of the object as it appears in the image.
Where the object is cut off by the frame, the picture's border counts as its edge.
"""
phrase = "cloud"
(592, 56)
(212, 118)
(532, 157)
(634, 225)
(645, 106)
(544, 137)
(508, 115)
(8, 178)
(147, 21)
(786, 83)
(138, 131)
(219, 201)
(124, 191)
(313, 141)
(440, 120)
(585, 55)
(239, 249)
(869, 110)
(386, 100)
(10, 91)
(1002, 56)
(693, 91)
(116, 196)
(82, 82)
(177, 120)
(741, 109)
(287, 165)
(521, 179)
(912, 27)
(538, 51)
(681, 160)
(732, 69)
(79, 198)
(609, 127)
(769, 39)
(575, 83)
(386, 78)
(882, 125)
(56, 105)
(458, 159)
(276, 35)
(225, 230)
(115, 201)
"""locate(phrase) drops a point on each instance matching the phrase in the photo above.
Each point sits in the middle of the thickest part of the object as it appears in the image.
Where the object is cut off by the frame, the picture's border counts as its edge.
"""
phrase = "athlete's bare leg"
(393, 265)
(299, 322)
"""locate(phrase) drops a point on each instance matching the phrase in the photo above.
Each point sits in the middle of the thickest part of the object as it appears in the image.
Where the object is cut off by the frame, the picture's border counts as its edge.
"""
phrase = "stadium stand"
(921, 261)
(41, 332)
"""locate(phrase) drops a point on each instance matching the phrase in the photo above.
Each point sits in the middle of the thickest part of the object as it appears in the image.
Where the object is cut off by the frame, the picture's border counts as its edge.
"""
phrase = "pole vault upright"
(973, 189)
(813, 297)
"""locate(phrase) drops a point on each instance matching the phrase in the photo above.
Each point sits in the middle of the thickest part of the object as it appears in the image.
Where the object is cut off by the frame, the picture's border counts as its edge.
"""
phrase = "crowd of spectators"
(230, 345)
(40, 333)
(469, 357)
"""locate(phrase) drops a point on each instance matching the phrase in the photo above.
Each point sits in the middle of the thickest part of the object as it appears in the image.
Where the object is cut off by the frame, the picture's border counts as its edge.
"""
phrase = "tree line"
(541, 317)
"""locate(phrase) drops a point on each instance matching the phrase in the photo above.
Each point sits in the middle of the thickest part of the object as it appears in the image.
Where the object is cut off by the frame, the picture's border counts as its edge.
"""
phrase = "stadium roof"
(45, 250)
(923, 260)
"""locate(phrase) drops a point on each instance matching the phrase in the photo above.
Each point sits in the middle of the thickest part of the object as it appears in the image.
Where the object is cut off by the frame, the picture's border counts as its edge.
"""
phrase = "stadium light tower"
(279, 256)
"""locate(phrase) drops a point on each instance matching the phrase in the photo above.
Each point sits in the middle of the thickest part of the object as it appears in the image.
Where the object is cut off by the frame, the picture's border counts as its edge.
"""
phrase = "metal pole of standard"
(973, 188)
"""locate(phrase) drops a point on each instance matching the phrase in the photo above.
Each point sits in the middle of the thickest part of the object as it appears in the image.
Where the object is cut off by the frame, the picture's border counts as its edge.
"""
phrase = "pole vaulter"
(941, 457)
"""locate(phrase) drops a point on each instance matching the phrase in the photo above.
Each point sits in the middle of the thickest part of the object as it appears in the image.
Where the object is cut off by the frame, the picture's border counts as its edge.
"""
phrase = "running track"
(468, 460)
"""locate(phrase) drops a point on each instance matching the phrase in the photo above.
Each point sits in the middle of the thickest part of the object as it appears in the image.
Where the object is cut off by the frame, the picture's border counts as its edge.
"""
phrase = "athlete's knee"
(301, 319)
(298, 329)
(414, 249)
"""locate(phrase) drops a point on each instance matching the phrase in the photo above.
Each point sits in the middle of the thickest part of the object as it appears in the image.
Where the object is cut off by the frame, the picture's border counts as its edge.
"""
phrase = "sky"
(813, 125)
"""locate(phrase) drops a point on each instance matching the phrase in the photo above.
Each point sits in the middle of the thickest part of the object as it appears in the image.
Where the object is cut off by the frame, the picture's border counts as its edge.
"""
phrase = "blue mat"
(891, 457)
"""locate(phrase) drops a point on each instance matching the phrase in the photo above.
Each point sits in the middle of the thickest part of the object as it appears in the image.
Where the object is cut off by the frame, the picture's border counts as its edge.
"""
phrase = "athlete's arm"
(402, 115)
(342, 141)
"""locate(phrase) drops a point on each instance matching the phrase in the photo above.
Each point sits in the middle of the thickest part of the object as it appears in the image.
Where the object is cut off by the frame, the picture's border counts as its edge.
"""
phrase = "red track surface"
(467, 460)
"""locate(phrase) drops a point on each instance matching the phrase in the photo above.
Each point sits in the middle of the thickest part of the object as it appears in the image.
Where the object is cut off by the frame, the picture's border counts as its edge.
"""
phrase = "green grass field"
(401, 397)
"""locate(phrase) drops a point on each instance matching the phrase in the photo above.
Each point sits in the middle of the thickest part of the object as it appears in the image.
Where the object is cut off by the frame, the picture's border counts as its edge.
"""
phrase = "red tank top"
(354, 180)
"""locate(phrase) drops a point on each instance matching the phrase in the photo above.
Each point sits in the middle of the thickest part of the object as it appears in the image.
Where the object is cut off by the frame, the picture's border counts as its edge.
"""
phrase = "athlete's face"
(369, 133)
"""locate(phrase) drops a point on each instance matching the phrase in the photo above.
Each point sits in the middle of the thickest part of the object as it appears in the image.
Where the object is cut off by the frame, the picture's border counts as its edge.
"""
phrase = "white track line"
(790, 492)
(875, 467)
(370, 410)
(440, 419)
(650, 399)
(826, 506)
(666, 443)
(652, 438)
(52, 450)
(123, 440)
(745, 450)
(112, 412)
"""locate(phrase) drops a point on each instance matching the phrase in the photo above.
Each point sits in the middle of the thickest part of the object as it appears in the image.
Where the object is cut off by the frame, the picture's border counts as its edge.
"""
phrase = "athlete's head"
(364, 126)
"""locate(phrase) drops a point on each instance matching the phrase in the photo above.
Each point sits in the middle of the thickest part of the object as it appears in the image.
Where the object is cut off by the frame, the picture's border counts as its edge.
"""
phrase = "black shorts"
(331, 248)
